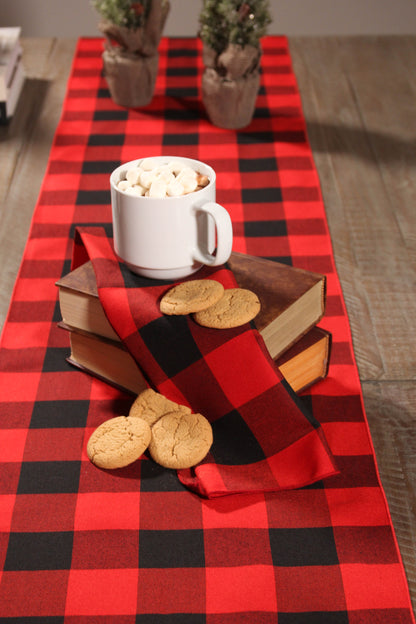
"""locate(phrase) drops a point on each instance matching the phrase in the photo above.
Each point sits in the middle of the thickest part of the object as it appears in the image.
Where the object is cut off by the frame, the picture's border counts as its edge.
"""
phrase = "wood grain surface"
(359, 99)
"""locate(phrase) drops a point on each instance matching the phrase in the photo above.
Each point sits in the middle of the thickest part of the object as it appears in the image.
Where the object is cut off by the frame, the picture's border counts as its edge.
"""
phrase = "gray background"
(73, 18)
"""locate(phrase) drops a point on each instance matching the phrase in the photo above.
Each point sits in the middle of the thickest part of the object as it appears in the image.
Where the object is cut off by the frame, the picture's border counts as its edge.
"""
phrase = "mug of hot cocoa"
(166, 222)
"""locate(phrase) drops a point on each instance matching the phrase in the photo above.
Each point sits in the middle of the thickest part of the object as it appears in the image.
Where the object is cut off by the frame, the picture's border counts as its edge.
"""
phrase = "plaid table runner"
(80, 545)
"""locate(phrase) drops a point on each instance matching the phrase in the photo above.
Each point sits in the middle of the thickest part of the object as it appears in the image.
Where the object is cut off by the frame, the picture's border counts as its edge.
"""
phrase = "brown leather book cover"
(277, 285)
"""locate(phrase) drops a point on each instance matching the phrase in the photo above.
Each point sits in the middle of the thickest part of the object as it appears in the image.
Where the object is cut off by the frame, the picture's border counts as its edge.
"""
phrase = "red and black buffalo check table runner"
(264, 438)
(81, 545)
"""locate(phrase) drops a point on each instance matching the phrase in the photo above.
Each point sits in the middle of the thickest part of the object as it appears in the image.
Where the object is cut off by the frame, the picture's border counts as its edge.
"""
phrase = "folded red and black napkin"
(264, 437)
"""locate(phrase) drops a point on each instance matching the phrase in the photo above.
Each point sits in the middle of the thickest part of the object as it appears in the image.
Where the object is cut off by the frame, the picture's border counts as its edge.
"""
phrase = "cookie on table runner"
(118, 442)
(191, 296)
(151, 405)
(236, 307)
(180, 440)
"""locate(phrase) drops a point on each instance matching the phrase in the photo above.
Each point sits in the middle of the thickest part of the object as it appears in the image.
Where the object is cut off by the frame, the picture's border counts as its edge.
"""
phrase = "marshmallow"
(147, 164)
(135, 190)
(189, 183)
(123, 185)
(157, 188)
(186, 172)
(175, 188)
(175, 166)
(133, 175)
(165, 174)
(146, 178)
(171, 179)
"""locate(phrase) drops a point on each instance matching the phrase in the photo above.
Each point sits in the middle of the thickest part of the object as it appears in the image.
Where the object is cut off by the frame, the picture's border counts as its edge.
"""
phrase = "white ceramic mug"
(170, 237)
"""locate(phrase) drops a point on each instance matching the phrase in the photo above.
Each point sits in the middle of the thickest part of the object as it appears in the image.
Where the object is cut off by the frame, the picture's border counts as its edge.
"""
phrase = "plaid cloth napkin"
(264, 439)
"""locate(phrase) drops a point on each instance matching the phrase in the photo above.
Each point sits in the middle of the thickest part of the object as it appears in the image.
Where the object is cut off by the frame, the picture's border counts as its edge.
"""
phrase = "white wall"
(73, 18)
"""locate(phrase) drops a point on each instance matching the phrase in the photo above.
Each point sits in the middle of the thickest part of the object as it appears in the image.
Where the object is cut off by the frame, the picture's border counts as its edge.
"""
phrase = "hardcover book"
(12, 74)
(302, 365)
(292, 300)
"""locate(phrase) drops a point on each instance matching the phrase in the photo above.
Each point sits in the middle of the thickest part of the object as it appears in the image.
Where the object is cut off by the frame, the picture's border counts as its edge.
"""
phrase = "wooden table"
(359, 98)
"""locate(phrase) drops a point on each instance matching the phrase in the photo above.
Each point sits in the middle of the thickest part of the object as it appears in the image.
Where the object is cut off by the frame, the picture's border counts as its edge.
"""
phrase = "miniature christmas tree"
(231, 31)
(235, 22)
(123, 12)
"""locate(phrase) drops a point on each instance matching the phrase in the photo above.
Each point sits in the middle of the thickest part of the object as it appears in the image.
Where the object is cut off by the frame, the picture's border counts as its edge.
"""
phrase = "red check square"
(239, 382)
(12, 444)
(32, 593)
(171, 590)
(102, 592)
(313, 588)
(246, 588)
(365, 586)
(102, 511)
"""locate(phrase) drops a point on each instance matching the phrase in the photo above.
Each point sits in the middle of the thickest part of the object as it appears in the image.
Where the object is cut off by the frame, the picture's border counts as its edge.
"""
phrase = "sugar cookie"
(151, 405)
(236, 307)
(191, 296)
(118, 442)
(180, 440)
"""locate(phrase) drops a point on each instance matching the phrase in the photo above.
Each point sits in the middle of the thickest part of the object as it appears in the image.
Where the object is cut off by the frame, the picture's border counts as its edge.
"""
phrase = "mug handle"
(224, 231)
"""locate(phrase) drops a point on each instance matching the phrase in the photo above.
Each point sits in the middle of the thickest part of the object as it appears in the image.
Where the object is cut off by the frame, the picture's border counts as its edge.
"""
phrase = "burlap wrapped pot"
(230, 85)
(131, 58)
(131, 79)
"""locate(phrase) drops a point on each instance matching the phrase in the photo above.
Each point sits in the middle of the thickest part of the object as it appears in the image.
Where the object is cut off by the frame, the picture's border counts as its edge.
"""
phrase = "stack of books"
(12, 75)
(292, 303)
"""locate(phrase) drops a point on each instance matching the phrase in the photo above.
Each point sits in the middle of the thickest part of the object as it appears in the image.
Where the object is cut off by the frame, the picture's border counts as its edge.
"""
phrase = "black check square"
(39, 551)
(182, 71)
(55, 360)
(181, 139)
(315, 617)
(100, 166)
(55, 414)
(265, 228)
(103, 140)
(178, 52)
(33, 619)
(248, 138)
(262, 195)
(110, 115)
(171, 344)
(170, 618)
(57, 316)
(53, 477)
(103, 93)
(262, 113)
(181, 114)
(181, 92)
(155, 478)
(234, 442)
(85, 198)
(251, 165)
(171, 549)
(303, 547)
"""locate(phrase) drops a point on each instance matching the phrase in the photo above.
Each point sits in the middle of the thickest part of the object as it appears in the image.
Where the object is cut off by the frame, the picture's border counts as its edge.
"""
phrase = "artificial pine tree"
(231, 32)
(132, 31)
(233, 21)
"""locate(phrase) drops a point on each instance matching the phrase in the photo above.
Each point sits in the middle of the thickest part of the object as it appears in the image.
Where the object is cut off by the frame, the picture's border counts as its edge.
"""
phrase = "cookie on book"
(150, 406)
(191, 296)
(180, 440)
(236, 307)
(118, 442)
